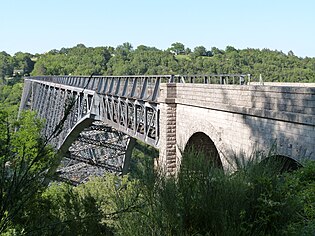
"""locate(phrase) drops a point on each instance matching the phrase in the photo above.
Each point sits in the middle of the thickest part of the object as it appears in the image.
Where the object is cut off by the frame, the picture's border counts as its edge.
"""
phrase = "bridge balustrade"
(213, 79)
(140, 87)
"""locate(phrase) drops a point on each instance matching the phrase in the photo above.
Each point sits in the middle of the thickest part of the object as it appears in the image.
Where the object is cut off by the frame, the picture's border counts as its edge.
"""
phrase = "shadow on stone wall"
(280, 120)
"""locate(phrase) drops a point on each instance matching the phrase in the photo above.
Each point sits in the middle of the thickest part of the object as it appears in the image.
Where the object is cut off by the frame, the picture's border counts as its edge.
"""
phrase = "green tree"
(177, 48)
(79, 60)
(187, 51)
(229, 49)
(124, 49)
(10, 97)
(24, 161)
(200, 51)
(124, 60)
(6, 65)
(216, 51)
(23, 61)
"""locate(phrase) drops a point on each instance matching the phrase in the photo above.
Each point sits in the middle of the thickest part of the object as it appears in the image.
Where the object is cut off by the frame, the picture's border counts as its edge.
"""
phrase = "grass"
(183, 57)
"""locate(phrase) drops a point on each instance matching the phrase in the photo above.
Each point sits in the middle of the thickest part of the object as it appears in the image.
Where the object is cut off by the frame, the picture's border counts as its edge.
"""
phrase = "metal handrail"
(144, 87)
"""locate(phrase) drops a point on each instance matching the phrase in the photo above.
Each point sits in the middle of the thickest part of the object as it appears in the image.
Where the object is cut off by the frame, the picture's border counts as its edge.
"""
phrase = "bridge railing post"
(102, 86)
(156, 89)
(134, 87)
(111, 86)
(144, 88)
(171, 79)
(117, 86)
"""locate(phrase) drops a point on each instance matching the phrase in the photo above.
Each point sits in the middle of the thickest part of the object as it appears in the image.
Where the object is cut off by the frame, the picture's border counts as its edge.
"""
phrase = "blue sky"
(37, 26)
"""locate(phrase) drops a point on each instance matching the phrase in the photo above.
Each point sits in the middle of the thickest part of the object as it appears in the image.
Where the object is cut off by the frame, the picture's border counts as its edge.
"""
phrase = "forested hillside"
(178, 59)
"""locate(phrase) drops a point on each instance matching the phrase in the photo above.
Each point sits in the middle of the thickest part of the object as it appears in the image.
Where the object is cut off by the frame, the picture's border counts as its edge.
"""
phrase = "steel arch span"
(93, 121)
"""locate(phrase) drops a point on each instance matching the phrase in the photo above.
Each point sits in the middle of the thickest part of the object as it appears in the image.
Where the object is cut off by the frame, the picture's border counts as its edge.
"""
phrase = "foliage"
(92, 208)
(10, 97)
(23, 62)
(178, 59)
(200, 51)
(6, 65)
(20, 61)
(177, 48)
(89, 209)
(302, 186)
(202, 200)
(143, 60)
(24, 161)
(78, 60)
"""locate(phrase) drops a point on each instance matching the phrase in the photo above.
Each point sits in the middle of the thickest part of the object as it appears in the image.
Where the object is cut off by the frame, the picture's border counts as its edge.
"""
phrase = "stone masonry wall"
(240, 119)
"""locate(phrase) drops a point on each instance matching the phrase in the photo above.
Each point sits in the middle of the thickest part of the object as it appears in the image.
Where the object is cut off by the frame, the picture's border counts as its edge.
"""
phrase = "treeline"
(178, 59)
(20, 63)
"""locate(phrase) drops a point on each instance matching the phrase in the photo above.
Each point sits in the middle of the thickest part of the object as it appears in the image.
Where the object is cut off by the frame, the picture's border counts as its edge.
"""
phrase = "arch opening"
(281, 163)
(202, 146)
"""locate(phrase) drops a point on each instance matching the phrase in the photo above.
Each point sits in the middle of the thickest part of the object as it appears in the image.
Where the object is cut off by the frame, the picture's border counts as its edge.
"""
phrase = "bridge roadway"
(221, 113)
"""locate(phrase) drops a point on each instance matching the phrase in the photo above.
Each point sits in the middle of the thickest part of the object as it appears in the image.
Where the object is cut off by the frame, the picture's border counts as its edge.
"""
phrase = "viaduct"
(225, 115)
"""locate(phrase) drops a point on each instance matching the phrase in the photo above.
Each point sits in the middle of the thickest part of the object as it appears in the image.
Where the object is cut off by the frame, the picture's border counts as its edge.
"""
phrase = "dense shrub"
(257, 199)
(203, 200)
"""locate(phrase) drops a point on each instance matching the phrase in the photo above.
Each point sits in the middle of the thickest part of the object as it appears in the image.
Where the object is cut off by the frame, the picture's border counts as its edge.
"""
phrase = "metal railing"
(234, 79)
(141, 86)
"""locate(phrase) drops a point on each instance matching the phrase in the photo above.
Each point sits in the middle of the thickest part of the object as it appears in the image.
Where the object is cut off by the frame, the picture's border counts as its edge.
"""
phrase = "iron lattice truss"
(97, 150)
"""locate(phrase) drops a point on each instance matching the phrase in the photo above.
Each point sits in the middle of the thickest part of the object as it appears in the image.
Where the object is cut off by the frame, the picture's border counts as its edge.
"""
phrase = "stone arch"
(186, 128)
(200, 143)
(282, 163)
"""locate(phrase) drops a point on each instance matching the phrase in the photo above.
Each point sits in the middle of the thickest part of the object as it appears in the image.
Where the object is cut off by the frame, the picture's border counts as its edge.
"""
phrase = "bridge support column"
(167, 162)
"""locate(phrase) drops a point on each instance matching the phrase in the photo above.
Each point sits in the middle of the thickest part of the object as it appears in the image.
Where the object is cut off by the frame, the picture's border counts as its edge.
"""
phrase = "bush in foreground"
(203, 200)
(257, 199)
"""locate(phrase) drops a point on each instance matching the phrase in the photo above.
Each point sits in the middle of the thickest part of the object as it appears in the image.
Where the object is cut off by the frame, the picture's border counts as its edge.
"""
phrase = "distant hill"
(125, 60)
